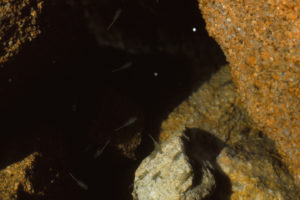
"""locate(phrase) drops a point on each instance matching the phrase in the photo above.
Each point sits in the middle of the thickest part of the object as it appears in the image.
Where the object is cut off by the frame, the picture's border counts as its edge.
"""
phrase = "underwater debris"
(116, 16)
(156, 144)
(99, 151)
(128, 123)
(184, 136)
(79, 182)
(123, 67)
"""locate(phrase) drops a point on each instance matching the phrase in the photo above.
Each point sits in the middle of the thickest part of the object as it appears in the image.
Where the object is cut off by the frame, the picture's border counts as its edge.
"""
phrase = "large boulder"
(261, 42)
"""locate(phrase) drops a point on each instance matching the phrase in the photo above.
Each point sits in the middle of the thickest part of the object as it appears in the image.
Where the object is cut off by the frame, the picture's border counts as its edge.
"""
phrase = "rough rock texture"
(249, 159)
(261, 40)
(166, 174)
(129, 147)
(15, 178)
(255, 173)
(213, 108)
(18, 24)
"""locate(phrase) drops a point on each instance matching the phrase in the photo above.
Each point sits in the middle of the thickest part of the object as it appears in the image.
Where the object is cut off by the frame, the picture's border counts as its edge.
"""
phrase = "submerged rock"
(213, 108)
(255, 172)
(247, 158)
(15, 178)
(18, 24)
(166, 174)
(261, 42)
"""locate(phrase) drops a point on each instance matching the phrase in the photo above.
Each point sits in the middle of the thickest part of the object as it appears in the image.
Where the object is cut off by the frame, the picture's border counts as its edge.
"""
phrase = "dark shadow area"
(202, 147)
(24, 195)
(59, 95)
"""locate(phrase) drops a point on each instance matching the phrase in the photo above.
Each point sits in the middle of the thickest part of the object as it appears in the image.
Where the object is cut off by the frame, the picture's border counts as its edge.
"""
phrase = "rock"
(213, 108)
(255, 172)
(261, 42)
(166, 174)
(18, 24)
(15, 178)
(249, 159)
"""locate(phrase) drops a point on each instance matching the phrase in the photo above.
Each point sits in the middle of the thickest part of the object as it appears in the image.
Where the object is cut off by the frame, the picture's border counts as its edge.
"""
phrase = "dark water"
(60, 96)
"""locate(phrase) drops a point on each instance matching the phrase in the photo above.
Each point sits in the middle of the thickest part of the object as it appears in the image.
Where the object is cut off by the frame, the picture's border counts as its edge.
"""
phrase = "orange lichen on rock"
(18, 24)
(261, 41)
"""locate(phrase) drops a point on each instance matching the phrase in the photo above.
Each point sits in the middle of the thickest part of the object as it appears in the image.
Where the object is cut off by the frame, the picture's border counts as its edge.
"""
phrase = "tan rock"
(255, 172)
(261, 42)
(249, 158)
(18, 24)
(15, 177)
(166, 174)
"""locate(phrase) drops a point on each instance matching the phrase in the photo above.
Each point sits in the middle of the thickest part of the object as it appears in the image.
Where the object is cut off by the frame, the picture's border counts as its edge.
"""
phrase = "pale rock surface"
(166, 174)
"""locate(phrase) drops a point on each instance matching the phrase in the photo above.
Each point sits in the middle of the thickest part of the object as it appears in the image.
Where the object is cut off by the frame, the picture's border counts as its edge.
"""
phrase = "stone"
(15, 178)
(255, 172)
(248, 158)
(18, 24)
(213, 107)
(260, 40)
(166, 174)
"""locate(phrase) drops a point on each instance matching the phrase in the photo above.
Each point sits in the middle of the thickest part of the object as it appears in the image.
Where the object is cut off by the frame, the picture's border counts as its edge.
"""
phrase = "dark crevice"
(203, 147)
(64, 98)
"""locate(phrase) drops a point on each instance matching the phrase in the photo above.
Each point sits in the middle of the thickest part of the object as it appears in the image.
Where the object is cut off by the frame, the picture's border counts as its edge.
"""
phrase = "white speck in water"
(155, 74)
(194, 29)
(10, 80)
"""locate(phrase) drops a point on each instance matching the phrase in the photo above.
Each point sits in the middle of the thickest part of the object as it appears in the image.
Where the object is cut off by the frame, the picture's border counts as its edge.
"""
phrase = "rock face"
(166, 174)
(255, 173)
(248, 158)
(261, 41)
(18, 24)
(15, 178)
(213, 108)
